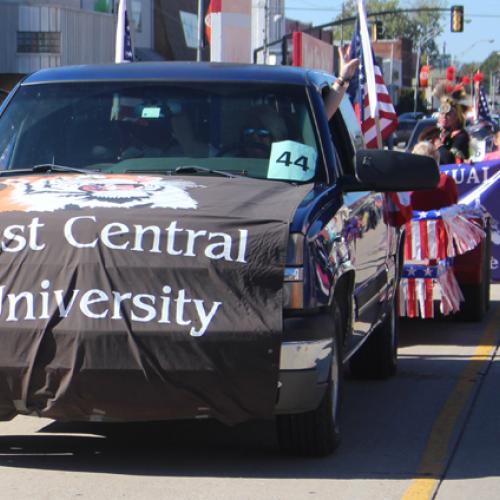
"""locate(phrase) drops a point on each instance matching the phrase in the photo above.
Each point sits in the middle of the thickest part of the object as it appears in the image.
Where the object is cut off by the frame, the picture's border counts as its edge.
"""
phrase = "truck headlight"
(293, 287)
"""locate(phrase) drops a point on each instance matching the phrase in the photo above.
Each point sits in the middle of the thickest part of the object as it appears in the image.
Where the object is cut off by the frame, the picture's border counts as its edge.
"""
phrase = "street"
(431, 430)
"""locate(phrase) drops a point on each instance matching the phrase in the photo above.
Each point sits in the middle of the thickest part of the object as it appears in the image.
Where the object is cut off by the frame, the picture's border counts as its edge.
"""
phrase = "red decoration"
(465, 80)
(424, 75)
(450, 73)
(449, 88)
(478, 77)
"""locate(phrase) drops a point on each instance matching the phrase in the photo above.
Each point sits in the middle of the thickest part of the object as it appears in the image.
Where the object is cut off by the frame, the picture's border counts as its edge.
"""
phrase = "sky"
(480, 37)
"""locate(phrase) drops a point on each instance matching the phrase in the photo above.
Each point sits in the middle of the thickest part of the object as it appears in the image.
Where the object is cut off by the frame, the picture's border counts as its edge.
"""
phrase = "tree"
(490, 65)
(412, 25)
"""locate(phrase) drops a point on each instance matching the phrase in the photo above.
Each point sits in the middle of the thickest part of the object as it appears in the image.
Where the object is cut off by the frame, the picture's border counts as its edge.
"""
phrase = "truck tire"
(377, 358)
(477, 297)
(316, 433)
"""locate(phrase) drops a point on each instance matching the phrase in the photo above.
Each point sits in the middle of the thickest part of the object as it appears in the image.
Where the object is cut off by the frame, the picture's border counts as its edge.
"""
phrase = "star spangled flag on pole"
(123, 41)
(373, 105)
(369, 66)
(367, 89)
(483, 110)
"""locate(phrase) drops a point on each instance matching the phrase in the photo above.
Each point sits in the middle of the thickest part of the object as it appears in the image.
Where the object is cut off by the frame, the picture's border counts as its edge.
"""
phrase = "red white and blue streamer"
(432, 239)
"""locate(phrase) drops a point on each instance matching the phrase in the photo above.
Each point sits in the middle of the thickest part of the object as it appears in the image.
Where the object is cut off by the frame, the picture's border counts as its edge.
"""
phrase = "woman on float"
(454, 139)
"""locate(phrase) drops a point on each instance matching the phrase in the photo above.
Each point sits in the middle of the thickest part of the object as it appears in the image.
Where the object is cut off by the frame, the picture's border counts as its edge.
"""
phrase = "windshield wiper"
(44, 167)
(193, 169)
(52, 167)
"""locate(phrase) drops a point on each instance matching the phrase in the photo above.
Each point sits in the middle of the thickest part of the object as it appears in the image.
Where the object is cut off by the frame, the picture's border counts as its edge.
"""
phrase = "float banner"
(142, 297)
(479, 186)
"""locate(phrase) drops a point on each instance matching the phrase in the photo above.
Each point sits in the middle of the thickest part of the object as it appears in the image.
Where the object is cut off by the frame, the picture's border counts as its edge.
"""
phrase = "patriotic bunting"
(432, 239)
(425, 239)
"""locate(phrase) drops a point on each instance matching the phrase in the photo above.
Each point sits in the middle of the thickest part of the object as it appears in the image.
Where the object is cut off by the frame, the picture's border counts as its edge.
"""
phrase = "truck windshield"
(253, 129)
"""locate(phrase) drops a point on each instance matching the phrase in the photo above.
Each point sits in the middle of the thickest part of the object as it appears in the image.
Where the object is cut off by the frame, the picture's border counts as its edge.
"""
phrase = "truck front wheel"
(316, 433)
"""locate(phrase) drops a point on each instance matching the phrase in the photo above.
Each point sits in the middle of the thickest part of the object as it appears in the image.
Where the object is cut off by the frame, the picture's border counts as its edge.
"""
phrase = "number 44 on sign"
(292, 160)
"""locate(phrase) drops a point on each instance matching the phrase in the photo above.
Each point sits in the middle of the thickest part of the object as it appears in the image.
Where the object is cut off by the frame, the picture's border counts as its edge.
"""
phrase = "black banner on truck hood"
(139, 297)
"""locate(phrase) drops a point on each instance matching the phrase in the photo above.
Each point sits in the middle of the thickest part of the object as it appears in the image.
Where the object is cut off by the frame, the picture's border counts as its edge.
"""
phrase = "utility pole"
(421, 40)
(391, 65)
(201, 16)
(266, 31)
(419, 49)
(492, 92)
(342, 27)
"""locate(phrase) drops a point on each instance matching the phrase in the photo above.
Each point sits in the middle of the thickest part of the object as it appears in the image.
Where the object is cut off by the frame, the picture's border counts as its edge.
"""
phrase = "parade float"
(452, 254)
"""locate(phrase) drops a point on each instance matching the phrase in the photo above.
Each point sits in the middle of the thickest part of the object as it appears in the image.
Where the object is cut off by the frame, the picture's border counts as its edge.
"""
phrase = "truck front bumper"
(305, 360)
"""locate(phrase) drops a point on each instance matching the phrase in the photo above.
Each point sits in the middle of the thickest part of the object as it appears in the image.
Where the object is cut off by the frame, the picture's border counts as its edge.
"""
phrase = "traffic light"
(377, 31)
(457, 18)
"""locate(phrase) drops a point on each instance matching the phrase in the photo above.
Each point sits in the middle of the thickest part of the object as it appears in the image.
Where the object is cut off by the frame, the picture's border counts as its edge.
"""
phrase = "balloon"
(478, 77)
(424, 75)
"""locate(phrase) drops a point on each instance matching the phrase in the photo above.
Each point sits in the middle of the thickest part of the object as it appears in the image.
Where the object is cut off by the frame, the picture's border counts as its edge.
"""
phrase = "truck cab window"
(347, 136)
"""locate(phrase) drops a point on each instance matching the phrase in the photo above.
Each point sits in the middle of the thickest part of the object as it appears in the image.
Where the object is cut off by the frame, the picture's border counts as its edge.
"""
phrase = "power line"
(324, 9)
(314, 6)
(482, 15)
(330, 9)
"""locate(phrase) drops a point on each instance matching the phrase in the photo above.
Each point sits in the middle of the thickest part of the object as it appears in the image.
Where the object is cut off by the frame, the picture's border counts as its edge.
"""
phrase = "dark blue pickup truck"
(184, 240)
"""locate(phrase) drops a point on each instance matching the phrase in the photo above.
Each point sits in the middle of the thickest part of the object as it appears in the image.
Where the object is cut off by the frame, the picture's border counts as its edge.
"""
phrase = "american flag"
(483, 111)
(123, 39)
(358, 93)
(399, 208)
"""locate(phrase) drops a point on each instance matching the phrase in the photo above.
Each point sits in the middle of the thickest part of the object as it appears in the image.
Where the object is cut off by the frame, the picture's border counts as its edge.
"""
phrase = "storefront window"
(39, 42)
(136, 14)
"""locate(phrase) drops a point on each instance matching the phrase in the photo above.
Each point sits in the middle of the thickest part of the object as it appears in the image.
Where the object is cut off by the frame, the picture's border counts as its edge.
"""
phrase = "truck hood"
(142, 297)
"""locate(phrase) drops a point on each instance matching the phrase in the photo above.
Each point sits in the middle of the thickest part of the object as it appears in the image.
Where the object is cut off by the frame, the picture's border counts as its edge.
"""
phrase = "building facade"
(268, 26)
(48, 33)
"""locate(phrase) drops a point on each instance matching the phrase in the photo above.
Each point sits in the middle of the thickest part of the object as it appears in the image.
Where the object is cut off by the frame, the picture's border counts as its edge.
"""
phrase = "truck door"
(365, 229)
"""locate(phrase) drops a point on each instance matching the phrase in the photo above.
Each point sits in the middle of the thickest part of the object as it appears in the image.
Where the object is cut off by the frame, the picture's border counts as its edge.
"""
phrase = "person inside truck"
(152, 137)
(348, 68)
(263, 127)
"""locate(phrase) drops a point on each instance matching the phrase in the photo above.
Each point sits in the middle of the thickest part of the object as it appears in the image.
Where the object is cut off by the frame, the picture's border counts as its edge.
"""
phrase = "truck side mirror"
(383, 170)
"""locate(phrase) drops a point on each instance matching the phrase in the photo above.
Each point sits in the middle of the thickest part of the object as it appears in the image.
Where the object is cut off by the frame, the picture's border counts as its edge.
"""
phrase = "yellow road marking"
(433, 460)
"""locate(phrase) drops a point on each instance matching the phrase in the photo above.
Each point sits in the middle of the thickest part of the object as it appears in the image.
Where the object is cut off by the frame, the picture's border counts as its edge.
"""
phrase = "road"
(431, 431)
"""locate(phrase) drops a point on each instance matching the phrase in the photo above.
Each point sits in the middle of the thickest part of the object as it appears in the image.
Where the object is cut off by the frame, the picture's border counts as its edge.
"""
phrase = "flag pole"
(123, 39)
(369, 70)
(120, 33)
(380, 144)
(367, 59)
